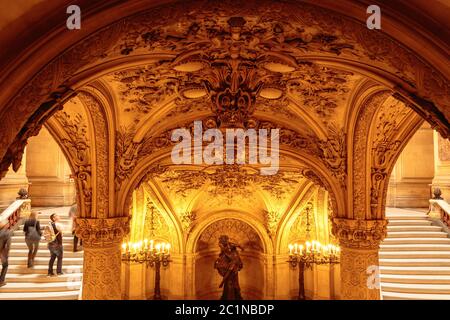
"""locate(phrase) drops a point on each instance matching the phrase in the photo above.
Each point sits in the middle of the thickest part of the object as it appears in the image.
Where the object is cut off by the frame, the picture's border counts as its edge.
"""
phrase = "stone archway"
(330, 90)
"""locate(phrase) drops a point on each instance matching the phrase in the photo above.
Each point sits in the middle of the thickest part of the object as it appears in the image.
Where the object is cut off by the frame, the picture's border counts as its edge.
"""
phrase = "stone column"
(102, 240)
(359, 241)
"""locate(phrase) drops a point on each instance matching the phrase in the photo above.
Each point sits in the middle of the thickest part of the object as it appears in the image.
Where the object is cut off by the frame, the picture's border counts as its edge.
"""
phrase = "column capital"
(358, 233)
(102, 232)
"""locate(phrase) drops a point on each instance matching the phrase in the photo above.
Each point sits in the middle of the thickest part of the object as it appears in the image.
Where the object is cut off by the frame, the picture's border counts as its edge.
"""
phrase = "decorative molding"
(360, 143)
(100, 129)
(77, 145)
(101, 233)
(272, 218)
(187, 221)
(358, 233)
(188, 29)
(443, 148)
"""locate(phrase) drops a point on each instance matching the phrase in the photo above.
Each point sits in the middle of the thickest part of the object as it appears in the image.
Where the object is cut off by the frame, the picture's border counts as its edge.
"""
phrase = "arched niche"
(251, 277)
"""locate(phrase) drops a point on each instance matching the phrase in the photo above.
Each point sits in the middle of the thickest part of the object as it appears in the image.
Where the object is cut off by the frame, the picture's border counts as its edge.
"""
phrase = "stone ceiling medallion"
(234, 77)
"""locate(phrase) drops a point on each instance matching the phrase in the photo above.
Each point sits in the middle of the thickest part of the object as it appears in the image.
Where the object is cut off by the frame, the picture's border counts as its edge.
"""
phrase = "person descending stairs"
(33, 283)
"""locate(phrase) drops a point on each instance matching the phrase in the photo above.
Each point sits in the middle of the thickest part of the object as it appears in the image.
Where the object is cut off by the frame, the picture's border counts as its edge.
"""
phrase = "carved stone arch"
(358, 193)
(424, 86)
(392, 127)
(99, 135)
(312, 169)
(70, 129)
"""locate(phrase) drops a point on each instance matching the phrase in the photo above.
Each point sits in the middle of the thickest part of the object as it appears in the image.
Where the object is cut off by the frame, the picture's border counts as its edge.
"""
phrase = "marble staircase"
(414, 258)
(33, 283)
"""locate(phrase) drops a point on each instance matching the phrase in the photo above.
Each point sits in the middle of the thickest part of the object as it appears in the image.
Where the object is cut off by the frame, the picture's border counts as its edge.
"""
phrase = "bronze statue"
(228, 265)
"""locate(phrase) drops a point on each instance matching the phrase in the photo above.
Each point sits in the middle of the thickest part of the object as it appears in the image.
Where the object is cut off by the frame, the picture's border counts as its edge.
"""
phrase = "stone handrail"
(440, 209)
(18, 209)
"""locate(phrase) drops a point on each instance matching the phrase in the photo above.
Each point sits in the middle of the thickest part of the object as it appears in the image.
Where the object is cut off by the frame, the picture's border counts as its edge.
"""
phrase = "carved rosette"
(359, 234)
(102, 232)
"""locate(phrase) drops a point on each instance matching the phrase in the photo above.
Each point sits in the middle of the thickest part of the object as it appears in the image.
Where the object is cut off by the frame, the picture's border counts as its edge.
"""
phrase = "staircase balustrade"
(440, 209)
(19, 209)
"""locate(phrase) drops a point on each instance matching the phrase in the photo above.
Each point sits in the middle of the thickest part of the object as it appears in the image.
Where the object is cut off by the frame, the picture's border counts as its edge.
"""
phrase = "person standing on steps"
(33, 234)
(73, 217)
(54, 236)
(5, 244)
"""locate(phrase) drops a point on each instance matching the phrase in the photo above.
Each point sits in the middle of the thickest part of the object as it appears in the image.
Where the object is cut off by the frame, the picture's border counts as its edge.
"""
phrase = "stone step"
(415, 262)
(64, 295)
(408, 270)
(42, 277)
(43, 252)
(68, 246)
(28, 287)
(16, 239)
(414, 247)
(409, 222)
(42, 269)
(416, 241)
(44, 261)
(408, 217)
(415, 278)
(415, 288)
(20, 233)
(413, 228)
(414, 296)
(418, 234)
(414, 254)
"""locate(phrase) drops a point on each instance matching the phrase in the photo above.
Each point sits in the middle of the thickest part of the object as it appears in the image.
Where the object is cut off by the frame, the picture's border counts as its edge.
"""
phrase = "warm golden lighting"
(315, 252)
(134, 251)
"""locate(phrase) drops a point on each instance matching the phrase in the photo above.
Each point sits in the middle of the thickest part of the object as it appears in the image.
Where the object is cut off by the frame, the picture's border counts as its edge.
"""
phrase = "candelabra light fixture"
(153, 254)
(305, 255)
(308, 254)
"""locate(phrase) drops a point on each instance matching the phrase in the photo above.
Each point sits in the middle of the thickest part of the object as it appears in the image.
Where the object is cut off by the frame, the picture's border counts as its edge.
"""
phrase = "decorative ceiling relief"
(272, 218)
(155, 226)
(230, 181)
(320, 88)
(249, 72)
(334, 154)
(238, 231)
(304, 226)
(188, 220)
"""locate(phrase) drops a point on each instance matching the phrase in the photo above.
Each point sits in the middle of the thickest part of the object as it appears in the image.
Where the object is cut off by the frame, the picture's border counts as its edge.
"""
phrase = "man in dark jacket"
(5, 244)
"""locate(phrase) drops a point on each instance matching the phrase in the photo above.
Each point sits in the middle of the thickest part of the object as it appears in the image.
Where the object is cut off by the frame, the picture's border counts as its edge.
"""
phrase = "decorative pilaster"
(102, 256)
(359, 241)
